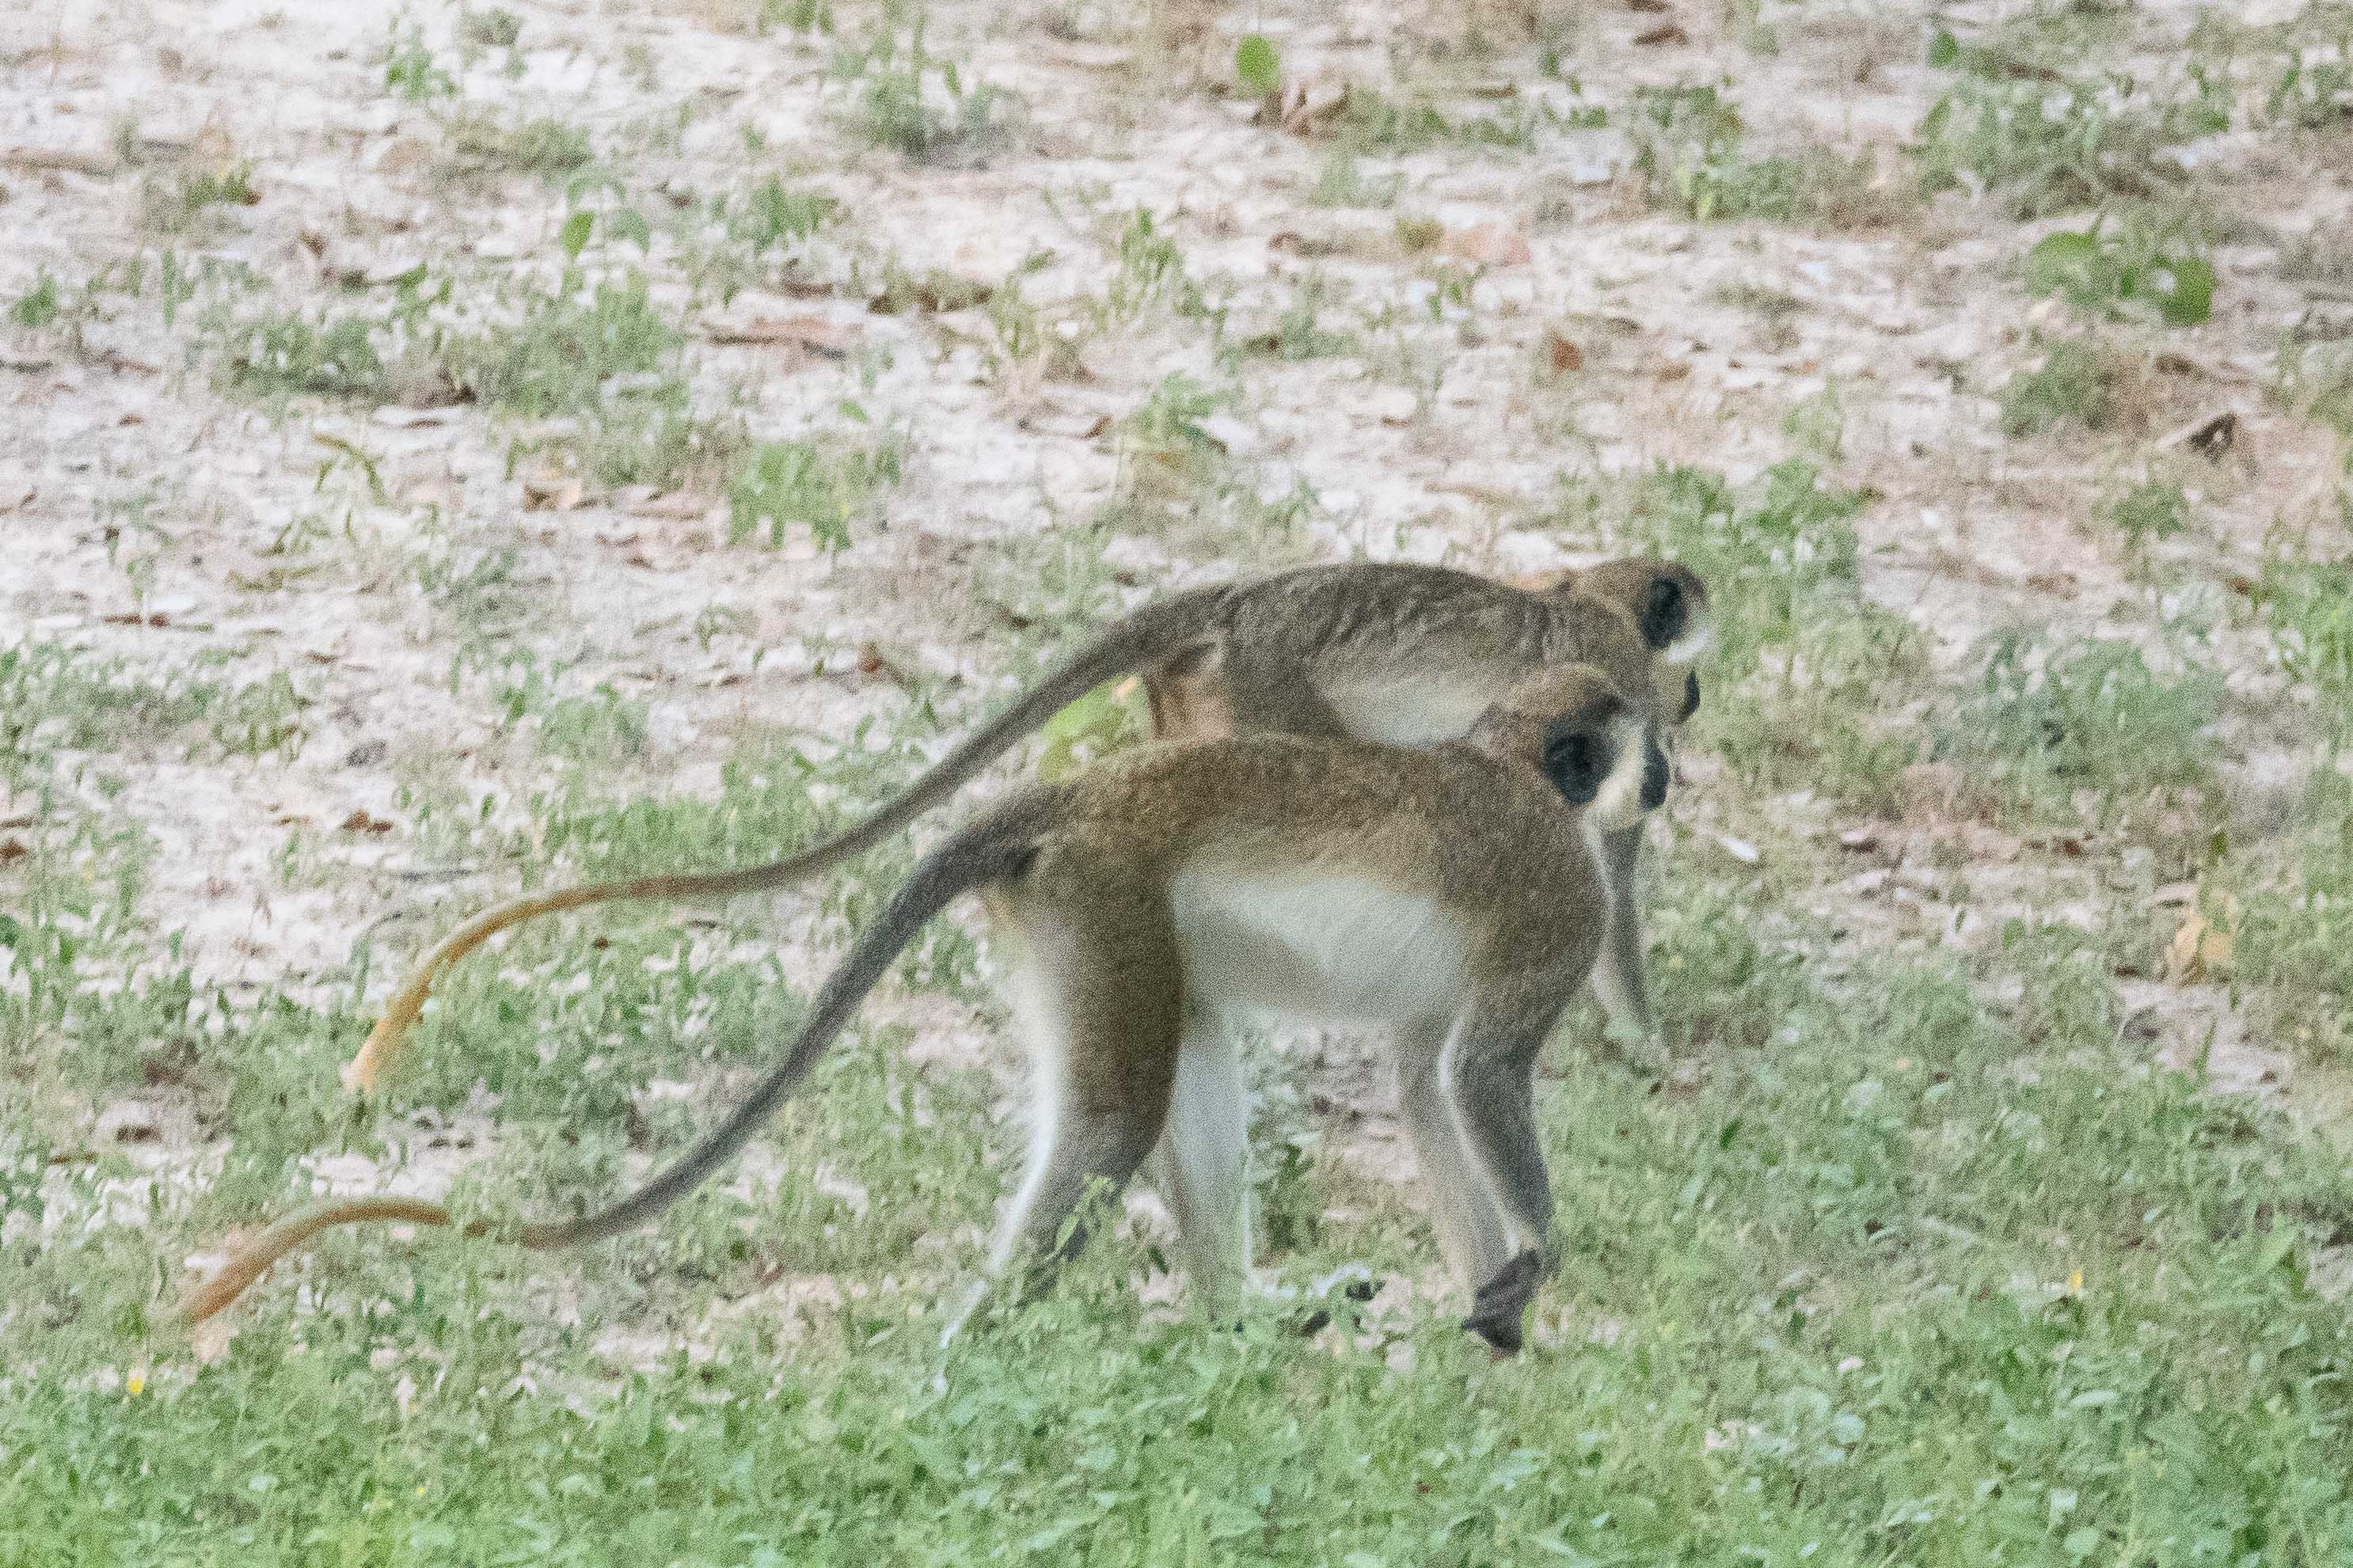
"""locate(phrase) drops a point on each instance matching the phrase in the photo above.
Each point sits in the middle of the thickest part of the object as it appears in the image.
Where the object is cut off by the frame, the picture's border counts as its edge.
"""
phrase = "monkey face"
(1654, 775)
(1578, 758)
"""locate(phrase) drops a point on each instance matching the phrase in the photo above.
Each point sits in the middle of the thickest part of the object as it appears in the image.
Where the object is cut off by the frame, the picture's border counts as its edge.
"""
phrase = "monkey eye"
(1662, 613)
(1575, 760)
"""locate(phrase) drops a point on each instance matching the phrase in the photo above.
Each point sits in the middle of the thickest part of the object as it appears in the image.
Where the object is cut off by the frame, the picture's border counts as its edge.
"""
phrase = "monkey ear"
(1663, 614)
(1577, 761)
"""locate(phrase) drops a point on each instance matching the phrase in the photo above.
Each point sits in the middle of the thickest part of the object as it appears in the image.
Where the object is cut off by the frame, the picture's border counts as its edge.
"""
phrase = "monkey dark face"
(1663, 614)
(1691, 696)
(1654, 776)
(1576, 758)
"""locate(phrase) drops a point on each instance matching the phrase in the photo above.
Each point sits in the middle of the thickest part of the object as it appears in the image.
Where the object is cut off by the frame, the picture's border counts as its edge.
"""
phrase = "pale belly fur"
(1316, 946)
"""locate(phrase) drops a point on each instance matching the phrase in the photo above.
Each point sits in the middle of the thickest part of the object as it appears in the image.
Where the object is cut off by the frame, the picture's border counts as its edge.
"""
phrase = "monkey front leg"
(1617, 970)
(1468, 1101)
(1489, 1082)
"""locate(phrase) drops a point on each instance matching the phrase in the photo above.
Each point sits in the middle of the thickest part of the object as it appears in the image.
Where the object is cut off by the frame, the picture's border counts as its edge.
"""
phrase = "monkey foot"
(1496, 1310)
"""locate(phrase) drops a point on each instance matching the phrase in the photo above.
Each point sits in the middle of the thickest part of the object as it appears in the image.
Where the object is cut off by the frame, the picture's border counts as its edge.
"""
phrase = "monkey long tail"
(1157, 629)
(986, 852)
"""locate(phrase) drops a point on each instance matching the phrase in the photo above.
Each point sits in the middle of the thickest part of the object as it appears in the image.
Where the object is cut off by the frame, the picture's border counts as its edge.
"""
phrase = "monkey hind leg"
(1202, 1165)
(1102, 1008)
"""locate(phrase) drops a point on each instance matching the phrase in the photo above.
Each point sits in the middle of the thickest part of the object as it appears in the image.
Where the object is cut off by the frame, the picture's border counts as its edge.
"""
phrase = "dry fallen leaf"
(12, 849)
(2202, 949)
(359, 821)
(1291, 242)
(1565, 357)
(1091, 56)
(810, 334)
(1049, 417)
(1489, 245)
(554, 492)
(1665, 33)
(128, 1122)
(1302, 107)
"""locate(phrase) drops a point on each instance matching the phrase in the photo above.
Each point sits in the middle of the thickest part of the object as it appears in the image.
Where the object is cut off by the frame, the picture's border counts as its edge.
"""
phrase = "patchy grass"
(2047, 721)
(2076, 383)
(1773, 1276)
(1688, 157)
(2048, 144)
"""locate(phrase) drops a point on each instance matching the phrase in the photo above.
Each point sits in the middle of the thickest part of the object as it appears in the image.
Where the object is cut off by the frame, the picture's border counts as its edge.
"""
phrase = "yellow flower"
(2076, 1283)
(135, 1385)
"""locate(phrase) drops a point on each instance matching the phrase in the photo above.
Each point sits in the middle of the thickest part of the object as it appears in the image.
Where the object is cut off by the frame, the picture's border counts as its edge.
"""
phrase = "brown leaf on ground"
(1489, 245)
(1664, 34)
(809, 334)
(554, 492)
(1565, 357)
(359, 821)
(2202, 948)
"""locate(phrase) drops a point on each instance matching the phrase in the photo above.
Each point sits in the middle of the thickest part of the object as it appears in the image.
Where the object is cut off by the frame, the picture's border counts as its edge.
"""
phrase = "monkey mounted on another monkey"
(1456, 895)
(1390, 652)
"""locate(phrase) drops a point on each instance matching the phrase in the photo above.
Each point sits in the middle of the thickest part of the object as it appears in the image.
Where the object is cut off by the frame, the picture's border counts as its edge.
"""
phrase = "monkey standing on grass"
(1403, 654)
(1455, 895)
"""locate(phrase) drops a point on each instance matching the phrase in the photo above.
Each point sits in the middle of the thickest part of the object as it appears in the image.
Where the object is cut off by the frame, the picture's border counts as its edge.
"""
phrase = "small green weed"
(2076, 382)
(56, 699)
(2154, 508)
(596, 730)
(174, 204)
(2293, 935)
(1343, 183)
(1372, 123)
(2308, 605)
(2127, 271)
(2044, 721)
(2316, 383)
(494, 27)
(277, 356)
(958, 127)
(481, 148)
(409, 70)
(568, 345)
(1299, 333)
(825, 486)
(2313, 88)
(37, 306)
(772, 215)
(1151, 273)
